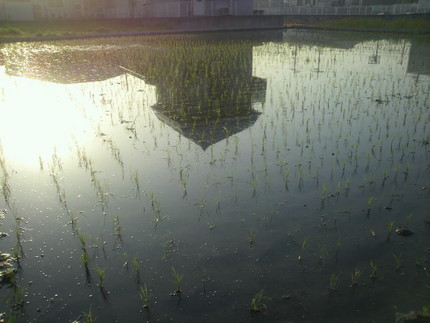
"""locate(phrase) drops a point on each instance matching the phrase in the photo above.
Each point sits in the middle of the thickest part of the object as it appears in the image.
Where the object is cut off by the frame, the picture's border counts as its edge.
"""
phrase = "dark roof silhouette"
(208, 132)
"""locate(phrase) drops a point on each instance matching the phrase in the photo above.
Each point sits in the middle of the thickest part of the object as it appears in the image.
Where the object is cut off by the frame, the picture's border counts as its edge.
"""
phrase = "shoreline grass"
(76, 27)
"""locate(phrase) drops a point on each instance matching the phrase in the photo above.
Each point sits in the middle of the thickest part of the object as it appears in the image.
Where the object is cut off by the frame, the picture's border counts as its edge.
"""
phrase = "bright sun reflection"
(36, 119)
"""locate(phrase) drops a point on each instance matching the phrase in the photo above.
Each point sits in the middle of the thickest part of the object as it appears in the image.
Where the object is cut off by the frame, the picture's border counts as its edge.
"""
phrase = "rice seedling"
(373, 270)
(18, 297)
(347, 187)
(125, 255)
(338, 189)
(398, 260)
(409, 217)
(390, 227)
(158, 218)
(136, 264)
(257, 304)
(101, 276)
(304, 243)
(355, 276)
(117, 229)
(254, 187)
(85, 262)
(421, 264)
(369, 203)
(89, 317)
(12, 318)
(135, 178)
(145, 295)
(427, 220)
(177, 279)
(251, 237)
(41, 163)
(286, 175)
(6, 190)
(323, 192)
(82, 240)
(333, 281)
(18, 234)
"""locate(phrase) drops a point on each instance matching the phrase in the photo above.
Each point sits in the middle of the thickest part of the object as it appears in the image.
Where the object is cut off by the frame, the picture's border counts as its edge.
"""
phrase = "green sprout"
(101, 275)
(177, 280)
(356, 274)
(88, 317)
(256, 303)
(145, 295)
(333, 281)
(373, 269)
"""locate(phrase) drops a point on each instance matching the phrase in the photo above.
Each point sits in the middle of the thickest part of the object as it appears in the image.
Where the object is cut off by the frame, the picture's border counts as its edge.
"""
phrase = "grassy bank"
(76, 27)
(82, 27)
(403, 23)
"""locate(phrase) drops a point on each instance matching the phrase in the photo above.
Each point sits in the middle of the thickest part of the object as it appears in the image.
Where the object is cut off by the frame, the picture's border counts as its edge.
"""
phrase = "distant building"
(57, 9)
(342, 7)
(52, 9)
(342, 3)
(16, 10)
(187, 8)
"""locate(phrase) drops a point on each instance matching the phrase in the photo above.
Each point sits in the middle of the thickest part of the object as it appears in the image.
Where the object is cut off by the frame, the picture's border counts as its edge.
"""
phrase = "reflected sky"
(39, 118)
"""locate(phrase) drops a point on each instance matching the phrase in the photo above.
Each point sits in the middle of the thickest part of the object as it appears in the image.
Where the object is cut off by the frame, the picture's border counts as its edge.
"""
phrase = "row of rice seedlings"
(355, 156)
(5, 186)
(300, 169)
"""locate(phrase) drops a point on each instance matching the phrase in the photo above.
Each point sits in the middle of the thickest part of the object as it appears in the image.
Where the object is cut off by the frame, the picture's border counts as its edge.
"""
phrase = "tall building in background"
(187, 8)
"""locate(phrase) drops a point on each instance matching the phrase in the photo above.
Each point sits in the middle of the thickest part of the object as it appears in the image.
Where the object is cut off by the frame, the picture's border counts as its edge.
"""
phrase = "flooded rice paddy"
(278, 176)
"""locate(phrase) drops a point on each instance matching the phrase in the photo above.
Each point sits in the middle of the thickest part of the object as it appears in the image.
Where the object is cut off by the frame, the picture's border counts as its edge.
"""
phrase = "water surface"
(278, 161)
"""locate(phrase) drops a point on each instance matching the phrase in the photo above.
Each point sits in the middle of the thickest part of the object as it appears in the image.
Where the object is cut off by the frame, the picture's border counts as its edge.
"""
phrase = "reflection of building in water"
(305, 70)
(205, 91)
(204, 88)
(323, 38)
(419, 58)
(341, 52)
(409, 56)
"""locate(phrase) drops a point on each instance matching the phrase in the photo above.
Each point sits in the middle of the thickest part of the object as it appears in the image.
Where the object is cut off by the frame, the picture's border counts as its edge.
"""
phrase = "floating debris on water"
(7, 271)
(404, 232)
(413, 316)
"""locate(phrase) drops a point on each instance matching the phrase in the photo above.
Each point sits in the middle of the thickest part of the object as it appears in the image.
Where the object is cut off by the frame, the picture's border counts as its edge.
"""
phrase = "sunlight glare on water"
(38, 118)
